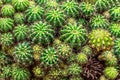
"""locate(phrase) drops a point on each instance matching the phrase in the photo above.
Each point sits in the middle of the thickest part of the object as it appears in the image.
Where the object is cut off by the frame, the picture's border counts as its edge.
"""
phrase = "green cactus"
(64, 51)
(20, 32)
(87, 9)
(57, 42)
(6, 1)
(41, 32)
(82, 21)
(55, 17)
(100, 39)
(117, 48)
(6, 24)
(115, 14)
(99, 21)
(76, 78)
(38, 71)
(74, 69)
(7, 10)
(20, 74)
(114, 28)
(34, 13)
(81, 58)
(51, 4)
(73, 34)
(37, 49)
(19, 18)
(41, 2)
(6, 39)
(87, 50)
(111, 72)
(49, 57)
(20, 5)
(71, 8)
(23, 53)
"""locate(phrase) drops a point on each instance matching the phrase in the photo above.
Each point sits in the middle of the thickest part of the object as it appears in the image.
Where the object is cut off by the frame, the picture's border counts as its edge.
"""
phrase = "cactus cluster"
(59, 39)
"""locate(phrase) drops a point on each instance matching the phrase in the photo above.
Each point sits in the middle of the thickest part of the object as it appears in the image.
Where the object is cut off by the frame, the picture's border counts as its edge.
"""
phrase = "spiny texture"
(20, 32)
(87, 9)
(7, 10)
(71, 8)
(99, 21)
(6, 1)
(111, 72)
(117, 48)
(6, 39)
(87, 50)
(92, 69)
(41, 32)
(20, 5)
(34, 13)
(41, 2)
(115, 14)
(6, 24)
(51, 4)
(20, 74)
(114, 29)
(55, 17)
(49, 57)
(19, 18)
(73, 34)
(23, 54)
(100, 39)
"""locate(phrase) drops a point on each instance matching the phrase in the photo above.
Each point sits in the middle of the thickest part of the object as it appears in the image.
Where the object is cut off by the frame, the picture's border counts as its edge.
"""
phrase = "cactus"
(22, 53)
(41, 2)
(55, 17)
(74, 69)
(49, 57)
(41, 32)
(100, 39)
(6, 1)
(87, 50)
(81, 58)
(87, 9)
(20, 74)
(71, 8)
(6, 24)
(115, 14)
(117, 48)
(51, 4)
(20, 32)
(99, 21)
(20, 5)
(73, 34)
(7, 10)
(19, 18)
(38, 71)
(34, 13)
(37, 49)
(115, 29)
(111, 72)
(6, 39)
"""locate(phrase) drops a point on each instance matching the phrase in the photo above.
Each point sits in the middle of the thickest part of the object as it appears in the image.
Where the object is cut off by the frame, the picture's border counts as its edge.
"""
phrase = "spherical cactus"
(19, 18)
(117, 48)
(51, 4)
(20, 32)
(115, 14)
(20, 5)
(38, 71)
(34, 13)
(55, 17)
(102, 5)
(20, 74)
(6, 24)
(71, 20)
(6, 71)
(99, 21)
(23, 53)
(82, 21)
(57, 42)
(6, 39)
(115, 29)
(42, 33)
(74, 69)
(81, 58)
(73, 34)
(100, 39)
(111, 72)
(6, 1)
(41, 2)
(37, 49)
(87, 9)
(64, 51)
(71, 8)
(7, 10)
(87, 50)
(49, 57)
